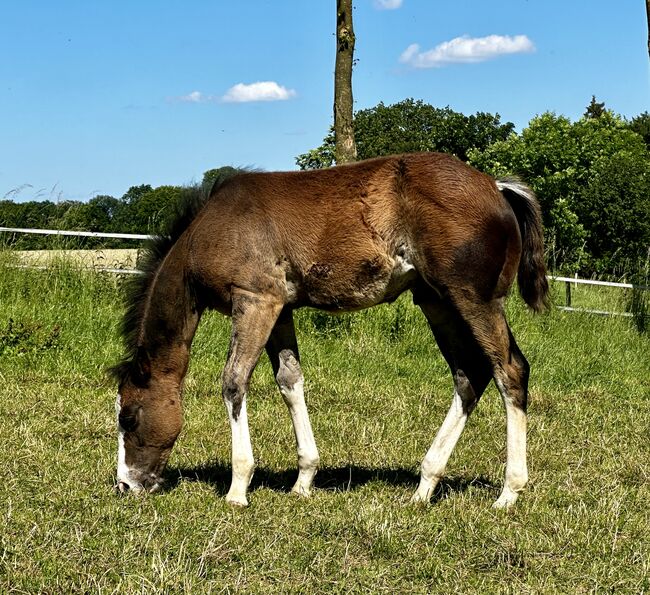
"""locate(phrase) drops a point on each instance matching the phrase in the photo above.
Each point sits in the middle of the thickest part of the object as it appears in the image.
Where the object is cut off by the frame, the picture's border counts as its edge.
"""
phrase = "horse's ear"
(142, 366)
(129, 417)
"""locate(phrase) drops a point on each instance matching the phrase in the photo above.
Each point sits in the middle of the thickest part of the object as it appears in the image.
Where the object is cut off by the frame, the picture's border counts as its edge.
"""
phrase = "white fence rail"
(568, 297)
(135, 236)
(83, 234)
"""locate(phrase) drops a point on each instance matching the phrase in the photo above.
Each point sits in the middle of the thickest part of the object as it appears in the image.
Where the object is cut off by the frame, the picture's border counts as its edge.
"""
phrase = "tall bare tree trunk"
(647, 10)
(345, 149)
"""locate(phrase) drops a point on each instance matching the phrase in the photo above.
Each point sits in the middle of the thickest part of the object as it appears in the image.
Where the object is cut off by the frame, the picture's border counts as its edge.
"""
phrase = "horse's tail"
(531, 277)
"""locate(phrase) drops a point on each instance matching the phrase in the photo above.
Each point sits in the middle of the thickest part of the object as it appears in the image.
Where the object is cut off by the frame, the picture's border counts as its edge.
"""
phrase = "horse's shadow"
(335, 479)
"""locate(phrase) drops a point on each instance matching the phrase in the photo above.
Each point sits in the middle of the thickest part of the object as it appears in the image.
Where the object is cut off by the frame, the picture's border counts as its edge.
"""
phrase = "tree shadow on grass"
(334, 479)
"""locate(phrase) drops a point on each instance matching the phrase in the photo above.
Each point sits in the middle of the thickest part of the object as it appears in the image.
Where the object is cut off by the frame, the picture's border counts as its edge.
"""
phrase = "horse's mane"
(183, 211)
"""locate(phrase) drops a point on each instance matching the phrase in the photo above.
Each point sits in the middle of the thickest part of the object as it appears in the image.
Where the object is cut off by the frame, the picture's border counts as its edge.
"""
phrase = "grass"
(377, 389)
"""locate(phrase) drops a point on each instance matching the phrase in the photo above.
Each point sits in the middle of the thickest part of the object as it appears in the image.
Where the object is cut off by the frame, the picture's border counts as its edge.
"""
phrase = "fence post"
(568, 293)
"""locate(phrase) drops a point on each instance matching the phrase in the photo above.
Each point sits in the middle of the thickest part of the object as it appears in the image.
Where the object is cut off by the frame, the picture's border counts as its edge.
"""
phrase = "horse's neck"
(170, 318)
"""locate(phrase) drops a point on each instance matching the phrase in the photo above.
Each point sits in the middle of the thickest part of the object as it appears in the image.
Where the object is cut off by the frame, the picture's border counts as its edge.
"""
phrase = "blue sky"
(98, 96)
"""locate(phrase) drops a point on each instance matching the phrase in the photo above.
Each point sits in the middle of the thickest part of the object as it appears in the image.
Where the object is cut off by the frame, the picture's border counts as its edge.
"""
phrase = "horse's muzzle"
(150, 485)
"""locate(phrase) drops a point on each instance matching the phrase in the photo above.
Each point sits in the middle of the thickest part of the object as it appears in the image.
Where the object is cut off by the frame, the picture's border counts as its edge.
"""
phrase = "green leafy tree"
(594, 109)
(641, 125)
(615, 207)
(10, 213)
(214, 176)
(102, 210)
(74, 215)
(135, 193)
(151, 209)
(31, 214)
(567, 164)
(123, 217)
(412, 126)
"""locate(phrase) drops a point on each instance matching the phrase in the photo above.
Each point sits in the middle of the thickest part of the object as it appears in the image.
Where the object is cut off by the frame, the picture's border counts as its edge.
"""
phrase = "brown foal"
(339, 239)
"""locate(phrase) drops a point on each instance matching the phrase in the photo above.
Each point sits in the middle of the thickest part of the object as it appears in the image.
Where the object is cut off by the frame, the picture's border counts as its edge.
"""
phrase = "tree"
(123, 219)
(345, 150)
(135, 193)
(412, 126)
(591, 207)
(102, 211)
(614, 207)
(641, 125)
(215, 176)
(595, 109)
(74, 215)
(153, 208)
(31, 214)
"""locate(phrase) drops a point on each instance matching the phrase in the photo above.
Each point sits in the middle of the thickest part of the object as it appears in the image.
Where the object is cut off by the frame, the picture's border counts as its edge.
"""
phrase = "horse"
(261, 244)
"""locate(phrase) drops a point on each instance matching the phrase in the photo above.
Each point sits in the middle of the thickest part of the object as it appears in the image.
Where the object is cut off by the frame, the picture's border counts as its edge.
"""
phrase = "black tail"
(531, 277)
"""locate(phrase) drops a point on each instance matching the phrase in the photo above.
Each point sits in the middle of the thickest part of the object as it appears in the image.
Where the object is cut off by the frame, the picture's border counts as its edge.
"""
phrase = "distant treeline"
(142, 210)
(592, 177)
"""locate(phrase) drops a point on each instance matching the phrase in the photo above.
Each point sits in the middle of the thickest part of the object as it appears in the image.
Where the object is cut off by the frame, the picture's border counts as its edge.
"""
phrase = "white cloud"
(195, 97)
(387, 4)
(466, 50)
(260, 91)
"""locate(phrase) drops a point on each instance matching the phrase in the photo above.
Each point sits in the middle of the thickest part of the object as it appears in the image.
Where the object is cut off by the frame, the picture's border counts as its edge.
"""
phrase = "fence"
(130, 236)
(569, 280)
(84, 234)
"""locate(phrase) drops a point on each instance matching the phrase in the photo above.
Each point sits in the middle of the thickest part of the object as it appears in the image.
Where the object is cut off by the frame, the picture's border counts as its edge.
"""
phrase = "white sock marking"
(243, 462)
(308, 458)
(435, 461)
(516, 468)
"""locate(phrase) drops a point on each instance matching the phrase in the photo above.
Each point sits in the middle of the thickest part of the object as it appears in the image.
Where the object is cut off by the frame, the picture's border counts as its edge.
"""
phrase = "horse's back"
(352, 236)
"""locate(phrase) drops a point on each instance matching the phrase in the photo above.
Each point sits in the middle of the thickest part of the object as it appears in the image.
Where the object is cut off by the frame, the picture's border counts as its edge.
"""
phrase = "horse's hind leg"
(282, 349)
(492, 342)
(510, 372)
(471, 371)
(511, 377)
(253, 317)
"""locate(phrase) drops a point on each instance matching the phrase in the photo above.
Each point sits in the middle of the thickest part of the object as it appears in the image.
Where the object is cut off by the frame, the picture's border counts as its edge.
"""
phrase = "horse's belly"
(367, 283)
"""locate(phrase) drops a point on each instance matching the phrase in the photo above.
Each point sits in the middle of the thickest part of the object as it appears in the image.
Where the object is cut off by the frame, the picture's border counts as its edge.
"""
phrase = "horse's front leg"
(253, 317)
(282, 349)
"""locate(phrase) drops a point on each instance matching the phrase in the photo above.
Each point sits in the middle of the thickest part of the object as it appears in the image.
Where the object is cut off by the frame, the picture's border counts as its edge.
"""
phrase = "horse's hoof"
(237, 501)
(422, 496)
(506, 500)
(301, 491)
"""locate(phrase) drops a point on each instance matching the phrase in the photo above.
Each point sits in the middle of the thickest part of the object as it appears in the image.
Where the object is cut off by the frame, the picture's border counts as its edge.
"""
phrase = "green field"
(377, 389)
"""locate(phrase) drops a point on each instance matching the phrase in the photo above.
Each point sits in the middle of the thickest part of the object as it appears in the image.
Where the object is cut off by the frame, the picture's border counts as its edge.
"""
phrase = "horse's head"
(149, 419)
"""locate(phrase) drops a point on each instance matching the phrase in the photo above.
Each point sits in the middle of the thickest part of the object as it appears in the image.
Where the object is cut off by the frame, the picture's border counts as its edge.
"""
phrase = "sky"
(98, 96)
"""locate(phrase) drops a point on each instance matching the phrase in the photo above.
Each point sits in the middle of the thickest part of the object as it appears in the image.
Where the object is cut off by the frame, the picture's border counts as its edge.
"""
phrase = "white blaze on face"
(123, 474)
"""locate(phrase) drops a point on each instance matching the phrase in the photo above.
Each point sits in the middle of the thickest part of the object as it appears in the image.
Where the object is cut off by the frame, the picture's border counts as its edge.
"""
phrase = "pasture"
(377, 389)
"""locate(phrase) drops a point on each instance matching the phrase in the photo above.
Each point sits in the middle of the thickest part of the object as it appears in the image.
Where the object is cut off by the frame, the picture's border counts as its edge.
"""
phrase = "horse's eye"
(129, 417)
